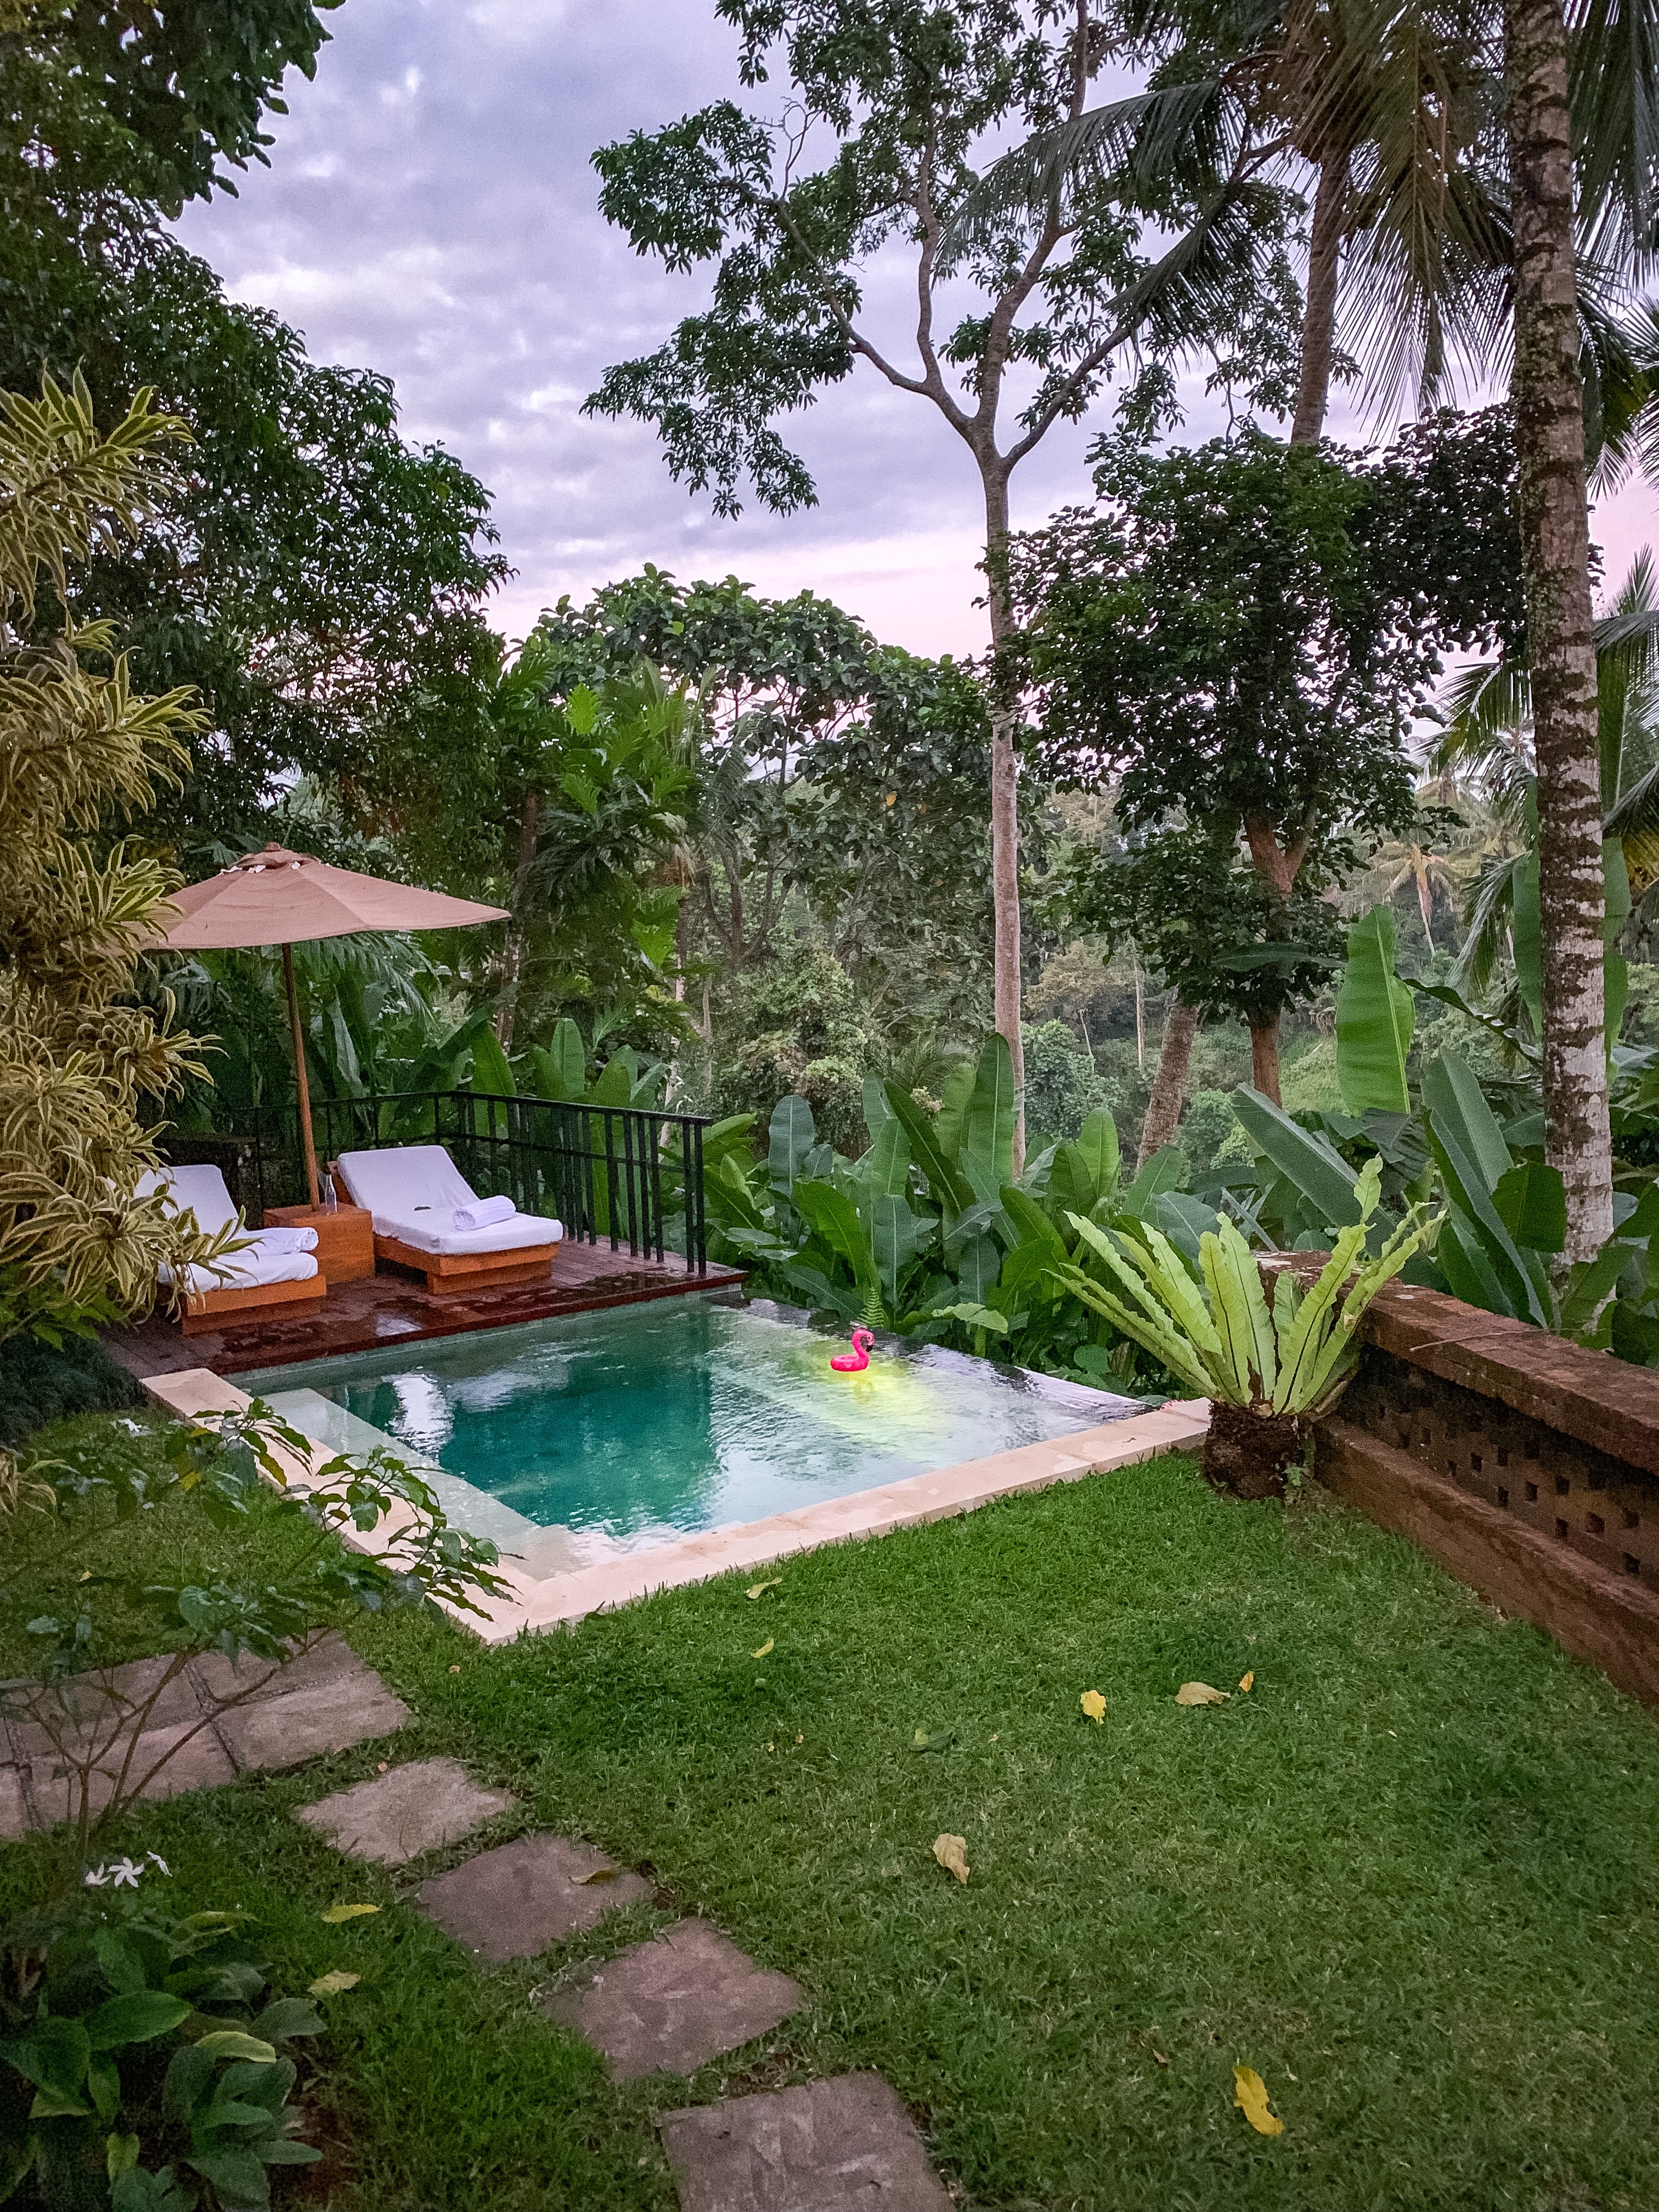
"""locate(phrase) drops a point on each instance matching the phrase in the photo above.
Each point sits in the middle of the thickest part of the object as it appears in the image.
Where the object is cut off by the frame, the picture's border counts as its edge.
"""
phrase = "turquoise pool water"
(569, 1441)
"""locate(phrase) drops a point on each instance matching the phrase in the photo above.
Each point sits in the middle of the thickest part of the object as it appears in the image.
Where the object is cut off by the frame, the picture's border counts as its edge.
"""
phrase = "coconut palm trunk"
(1547, 392)
(1005, 798)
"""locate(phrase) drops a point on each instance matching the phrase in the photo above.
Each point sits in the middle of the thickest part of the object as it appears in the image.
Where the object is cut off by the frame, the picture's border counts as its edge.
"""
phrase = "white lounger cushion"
(413, 1190)
(200, 1190)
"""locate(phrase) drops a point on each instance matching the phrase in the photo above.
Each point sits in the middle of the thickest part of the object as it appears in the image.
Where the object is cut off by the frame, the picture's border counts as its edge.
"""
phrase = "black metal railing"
(627, 1174)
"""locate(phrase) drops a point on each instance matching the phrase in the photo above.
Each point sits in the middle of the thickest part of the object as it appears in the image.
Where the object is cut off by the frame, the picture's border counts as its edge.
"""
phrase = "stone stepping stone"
(845, 2145)
(325, 1699)
(513, 1901)
(392, 1817)
(328, 1699)
(671, 2005)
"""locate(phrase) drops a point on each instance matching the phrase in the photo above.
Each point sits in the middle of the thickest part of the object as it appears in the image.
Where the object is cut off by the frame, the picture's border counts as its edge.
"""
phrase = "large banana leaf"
(953, 1193)
(560, 1067)
(952, 1119)
(987, 1133)
(490, 1073)
(1374, 1016)
(1316, 1171)
(790, 1136)
(1165, 1170)
(978, 1266)
(895, 1236)
(884, 1170)
(1473, 1162)
(832, 1216)
(1098, 1143)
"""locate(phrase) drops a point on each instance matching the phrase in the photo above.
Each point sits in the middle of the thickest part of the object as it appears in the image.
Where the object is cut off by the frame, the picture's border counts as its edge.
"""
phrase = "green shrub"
(40, 1383)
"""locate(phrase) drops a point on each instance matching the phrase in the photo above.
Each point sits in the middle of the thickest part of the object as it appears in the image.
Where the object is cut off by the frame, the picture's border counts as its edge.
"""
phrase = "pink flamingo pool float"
(855, 1361)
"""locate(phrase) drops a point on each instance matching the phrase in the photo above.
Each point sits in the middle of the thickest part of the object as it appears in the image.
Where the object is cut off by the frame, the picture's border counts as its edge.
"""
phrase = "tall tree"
(914, 95)
(1547, 388)
(1241, 636)
(1376, 114)
(317, 580)
(1381, 114)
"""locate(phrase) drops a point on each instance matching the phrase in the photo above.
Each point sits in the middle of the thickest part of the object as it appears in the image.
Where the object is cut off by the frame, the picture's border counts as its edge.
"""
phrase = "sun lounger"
(414, 1192)
(260, 1274)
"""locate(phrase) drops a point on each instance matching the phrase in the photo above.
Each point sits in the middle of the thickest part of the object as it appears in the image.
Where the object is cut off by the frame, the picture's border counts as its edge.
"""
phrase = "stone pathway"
(512, 1902)
(671, 2005)
(393, 1818)
(844, 2145)
(326, 1699)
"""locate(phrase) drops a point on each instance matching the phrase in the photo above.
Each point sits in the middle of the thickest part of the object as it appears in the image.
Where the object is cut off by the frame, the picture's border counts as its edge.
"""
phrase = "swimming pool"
(577, 1440)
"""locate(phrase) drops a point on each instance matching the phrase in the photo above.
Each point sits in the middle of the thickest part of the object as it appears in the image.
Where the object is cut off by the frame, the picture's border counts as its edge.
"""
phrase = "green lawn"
(1412, 1878)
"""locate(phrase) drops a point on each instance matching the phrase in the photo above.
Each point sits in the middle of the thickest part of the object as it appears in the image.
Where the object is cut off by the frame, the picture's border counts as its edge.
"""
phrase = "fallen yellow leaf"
(759, 1589)
(330, 1986)
(1094, 1705)
(951, 1852)
(599, 1874)
(1245, 1681)
(764, 1649)
(1199, 1693)
(337, 1913)
(1250, 2095)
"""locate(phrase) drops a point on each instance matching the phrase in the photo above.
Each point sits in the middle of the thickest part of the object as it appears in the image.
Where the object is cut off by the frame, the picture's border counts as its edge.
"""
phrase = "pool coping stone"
(562, 1601)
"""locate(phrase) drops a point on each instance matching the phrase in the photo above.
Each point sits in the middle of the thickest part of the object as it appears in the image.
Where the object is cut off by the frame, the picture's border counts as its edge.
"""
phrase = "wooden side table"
(345, 1237)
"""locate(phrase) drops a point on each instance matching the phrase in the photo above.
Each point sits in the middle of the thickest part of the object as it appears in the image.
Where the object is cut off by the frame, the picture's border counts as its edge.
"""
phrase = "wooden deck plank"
(393, 1306)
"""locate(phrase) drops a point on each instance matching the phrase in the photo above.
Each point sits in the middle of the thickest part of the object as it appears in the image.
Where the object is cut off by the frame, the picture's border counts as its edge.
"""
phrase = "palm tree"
(1490, 738)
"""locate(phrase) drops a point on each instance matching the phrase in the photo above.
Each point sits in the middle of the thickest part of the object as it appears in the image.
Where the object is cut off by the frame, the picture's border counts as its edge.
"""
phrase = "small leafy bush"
(143, 2055)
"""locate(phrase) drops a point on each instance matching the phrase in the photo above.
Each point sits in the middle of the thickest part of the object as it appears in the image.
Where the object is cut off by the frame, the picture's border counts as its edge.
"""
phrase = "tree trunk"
(1005, 805)
(1264, 1059)
(1313, 390)
(1547, 391)
(1170, 1085)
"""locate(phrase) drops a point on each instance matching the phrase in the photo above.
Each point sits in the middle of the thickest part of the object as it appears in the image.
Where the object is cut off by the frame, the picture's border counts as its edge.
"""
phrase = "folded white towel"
(288, 1240)
(484, 1213)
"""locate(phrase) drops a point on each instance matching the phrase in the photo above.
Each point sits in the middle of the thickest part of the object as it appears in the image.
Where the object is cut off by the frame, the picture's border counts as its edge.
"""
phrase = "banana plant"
(1212, 1327)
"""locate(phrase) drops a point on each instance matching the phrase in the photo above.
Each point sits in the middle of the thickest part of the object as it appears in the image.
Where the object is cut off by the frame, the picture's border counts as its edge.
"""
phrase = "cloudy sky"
(430, 213)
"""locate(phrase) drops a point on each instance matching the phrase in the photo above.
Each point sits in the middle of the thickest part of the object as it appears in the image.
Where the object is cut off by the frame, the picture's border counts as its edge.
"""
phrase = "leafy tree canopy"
(914, 95)
(1243, 633)
(158, 93)
(319, 580)
(851, 773)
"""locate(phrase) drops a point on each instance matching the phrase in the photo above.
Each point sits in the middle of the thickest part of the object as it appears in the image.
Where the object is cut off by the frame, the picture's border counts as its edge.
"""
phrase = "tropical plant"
(908, 97)
(79, 1057)
(1487, 738)
(130, 2034)
(1279, 1367)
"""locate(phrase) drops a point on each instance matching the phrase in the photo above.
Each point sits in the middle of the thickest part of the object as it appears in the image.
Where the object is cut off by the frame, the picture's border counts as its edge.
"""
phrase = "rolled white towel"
(484, 1212)
(288, 1240)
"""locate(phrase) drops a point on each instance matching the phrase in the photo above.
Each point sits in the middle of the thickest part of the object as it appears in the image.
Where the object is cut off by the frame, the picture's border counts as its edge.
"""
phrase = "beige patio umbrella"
(279, 897)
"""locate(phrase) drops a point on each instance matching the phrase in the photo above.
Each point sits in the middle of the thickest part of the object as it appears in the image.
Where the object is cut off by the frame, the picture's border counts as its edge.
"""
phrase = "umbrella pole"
(309, 1141)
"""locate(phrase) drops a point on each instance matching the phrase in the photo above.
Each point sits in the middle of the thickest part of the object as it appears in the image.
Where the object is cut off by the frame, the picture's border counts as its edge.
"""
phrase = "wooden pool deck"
(393, 1306)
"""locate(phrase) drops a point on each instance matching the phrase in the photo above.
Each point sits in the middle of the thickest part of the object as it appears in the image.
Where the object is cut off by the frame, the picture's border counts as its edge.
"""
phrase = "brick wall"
(1526, 1466)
